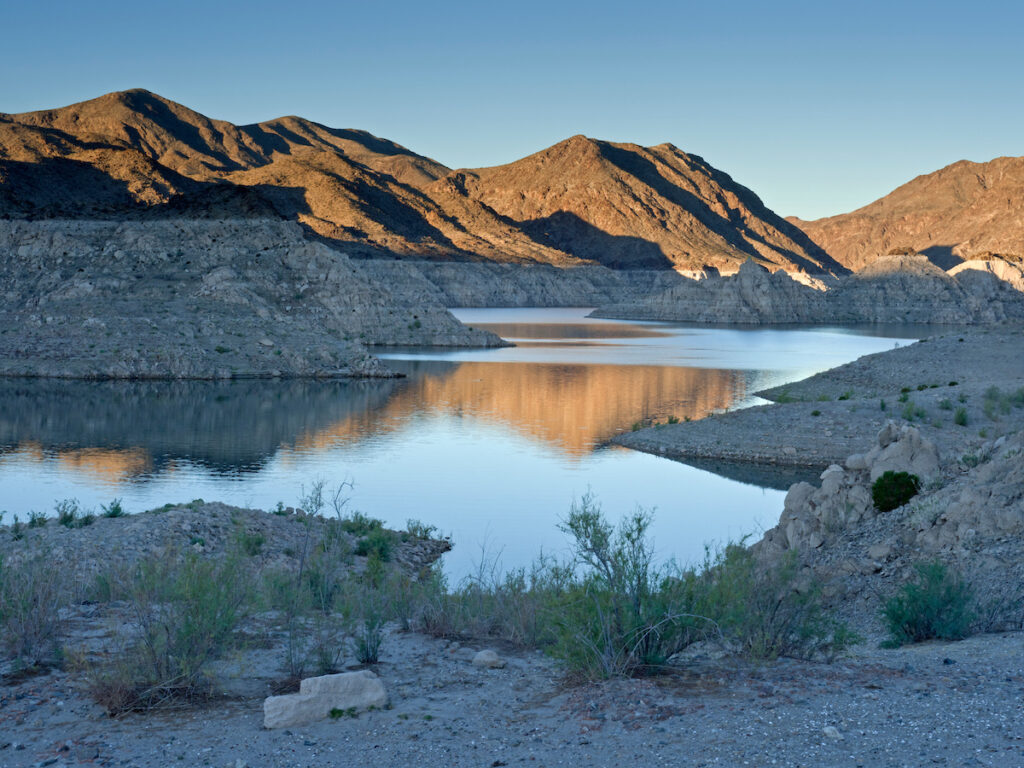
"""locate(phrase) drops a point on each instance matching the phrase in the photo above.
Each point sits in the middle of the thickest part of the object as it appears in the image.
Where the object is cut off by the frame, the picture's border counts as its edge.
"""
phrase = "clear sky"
(819, 107)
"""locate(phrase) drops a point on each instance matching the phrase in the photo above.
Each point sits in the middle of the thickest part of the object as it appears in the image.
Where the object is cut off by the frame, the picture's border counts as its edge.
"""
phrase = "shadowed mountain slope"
(581, 201)
(631, 206)
(963, 211)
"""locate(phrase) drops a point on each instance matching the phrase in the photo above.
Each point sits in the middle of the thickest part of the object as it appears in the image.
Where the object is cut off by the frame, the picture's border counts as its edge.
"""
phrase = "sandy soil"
(954, 704)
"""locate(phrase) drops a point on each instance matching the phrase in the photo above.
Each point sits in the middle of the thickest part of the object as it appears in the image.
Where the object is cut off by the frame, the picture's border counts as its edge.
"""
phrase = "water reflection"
(133, 430)
(136, 430)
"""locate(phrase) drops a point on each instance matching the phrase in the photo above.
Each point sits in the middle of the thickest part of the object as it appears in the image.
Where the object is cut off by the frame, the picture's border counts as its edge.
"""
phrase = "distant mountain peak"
(960, 210)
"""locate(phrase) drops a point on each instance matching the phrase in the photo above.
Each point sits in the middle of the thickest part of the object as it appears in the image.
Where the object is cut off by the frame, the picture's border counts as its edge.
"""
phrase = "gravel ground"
(955, 704)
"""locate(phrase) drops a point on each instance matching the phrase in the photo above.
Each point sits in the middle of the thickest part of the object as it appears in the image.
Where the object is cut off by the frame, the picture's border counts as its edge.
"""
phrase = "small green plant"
(945, 404)
(881, 405)
(113, 509)
(912, 411)
(673, 420)
(904, 397)
(936, 604)
(420, 530)
(17, 529)
(337, 714)
(377, 542)
(251, 542)
(220, 350)
(36, 519)
(31, 597)
(67, 512)
(922, 387)
(904, 390)
(953, 383)
(970, 460)
(960, 417)
(846, 395)
(360, 524)
(815, 412)
(894, 489)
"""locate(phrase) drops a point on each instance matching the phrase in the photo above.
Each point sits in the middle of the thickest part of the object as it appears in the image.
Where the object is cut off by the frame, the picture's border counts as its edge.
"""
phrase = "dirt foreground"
(953, 704)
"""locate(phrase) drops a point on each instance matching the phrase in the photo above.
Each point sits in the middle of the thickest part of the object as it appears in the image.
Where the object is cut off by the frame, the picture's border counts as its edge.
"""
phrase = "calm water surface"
(492, 446)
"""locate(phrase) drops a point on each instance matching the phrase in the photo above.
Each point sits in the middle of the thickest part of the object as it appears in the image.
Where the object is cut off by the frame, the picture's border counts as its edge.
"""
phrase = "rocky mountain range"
(582, 201)
(963, 212)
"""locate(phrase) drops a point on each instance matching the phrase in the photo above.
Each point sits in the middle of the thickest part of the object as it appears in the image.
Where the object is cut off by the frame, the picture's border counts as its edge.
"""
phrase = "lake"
(491, 446)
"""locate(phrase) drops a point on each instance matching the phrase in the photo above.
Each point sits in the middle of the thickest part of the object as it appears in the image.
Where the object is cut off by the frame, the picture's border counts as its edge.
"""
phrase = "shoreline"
(826, 417)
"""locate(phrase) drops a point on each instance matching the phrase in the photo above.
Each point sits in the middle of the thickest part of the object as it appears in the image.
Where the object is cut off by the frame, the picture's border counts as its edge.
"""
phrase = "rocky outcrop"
(753, 295)
(910, 289)
(844, 497)
(197, 299)
(91, 541)
(893, 289)
(454, 284)
(969, 515)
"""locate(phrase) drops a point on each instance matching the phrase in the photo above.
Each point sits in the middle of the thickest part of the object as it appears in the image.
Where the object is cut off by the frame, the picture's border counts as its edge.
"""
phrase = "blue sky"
(818, 107)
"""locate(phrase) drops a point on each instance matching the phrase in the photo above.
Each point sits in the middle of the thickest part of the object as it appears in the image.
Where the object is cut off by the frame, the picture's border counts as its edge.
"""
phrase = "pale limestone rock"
(902, 449)
(317, 696)
(489, 660)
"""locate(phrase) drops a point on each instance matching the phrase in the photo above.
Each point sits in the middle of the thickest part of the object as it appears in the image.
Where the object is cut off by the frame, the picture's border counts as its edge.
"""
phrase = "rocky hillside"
(133, 154)
(628, 206)
(963, 211)
(186, 298)
(893, 289)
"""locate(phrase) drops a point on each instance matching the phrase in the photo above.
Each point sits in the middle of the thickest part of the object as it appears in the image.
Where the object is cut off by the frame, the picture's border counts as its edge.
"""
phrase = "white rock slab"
(317, 696)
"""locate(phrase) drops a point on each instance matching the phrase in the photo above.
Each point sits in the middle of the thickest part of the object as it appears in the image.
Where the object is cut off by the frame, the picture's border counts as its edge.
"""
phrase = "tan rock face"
(954, 214)
(579, 202)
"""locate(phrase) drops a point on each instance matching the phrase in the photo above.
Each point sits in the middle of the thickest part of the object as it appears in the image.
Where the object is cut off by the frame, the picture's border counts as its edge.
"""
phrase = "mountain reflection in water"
(122, 430)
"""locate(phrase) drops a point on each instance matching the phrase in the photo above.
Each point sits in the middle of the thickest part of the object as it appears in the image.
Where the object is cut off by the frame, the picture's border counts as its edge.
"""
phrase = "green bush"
(377, 542)
(894, 489)
(186, 611)
(763, 608)
(960, 417)
(113, 509)
(936, 604)
(620, 614)
(31, 596)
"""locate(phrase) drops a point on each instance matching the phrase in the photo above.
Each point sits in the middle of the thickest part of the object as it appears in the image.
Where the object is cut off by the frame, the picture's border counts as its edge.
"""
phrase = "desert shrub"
(186, 610)
(763, 609)
(67, 512)
(936, 604)
(359, 524)
(620, 614)
(251, 542)
(913, 411)
(946, 404)
(113, 509)
(420, 530)
(960, 417)
(378, 542)
(31, 596)
(894, 489)
(37, 519)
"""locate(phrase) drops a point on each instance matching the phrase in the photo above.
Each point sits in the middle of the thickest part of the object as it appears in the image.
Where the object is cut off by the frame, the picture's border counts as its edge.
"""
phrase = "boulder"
(318, 696)
(902, 449)
(489, 660)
